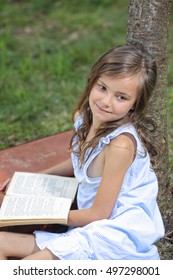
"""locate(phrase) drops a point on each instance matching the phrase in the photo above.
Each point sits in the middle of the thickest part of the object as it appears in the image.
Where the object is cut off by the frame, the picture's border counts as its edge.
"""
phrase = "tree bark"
(148, 22)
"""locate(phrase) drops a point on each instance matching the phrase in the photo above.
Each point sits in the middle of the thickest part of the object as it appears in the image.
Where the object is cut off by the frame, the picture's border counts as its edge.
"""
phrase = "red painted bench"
(35, 155)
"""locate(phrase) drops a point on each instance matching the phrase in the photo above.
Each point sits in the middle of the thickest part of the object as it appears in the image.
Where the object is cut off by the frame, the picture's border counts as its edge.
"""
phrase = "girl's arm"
(64, 168)
(119, 155)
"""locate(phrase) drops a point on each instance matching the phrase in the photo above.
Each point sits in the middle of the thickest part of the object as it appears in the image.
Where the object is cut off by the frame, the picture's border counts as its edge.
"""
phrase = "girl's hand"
(5, 184)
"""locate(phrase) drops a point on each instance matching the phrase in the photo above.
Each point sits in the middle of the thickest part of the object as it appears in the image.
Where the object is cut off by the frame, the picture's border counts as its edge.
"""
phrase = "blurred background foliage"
(46, 50)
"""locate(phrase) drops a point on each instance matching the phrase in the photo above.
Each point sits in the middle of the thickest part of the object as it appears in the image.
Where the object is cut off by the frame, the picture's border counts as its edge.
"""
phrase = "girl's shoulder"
(124, 142)
(127, 130)
(123, 136)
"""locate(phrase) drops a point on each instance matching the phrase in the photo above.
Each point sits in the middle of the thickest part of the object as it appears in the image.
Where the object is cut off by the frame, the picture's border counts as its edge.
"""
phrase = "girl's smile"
(111, 98)
(102, 109)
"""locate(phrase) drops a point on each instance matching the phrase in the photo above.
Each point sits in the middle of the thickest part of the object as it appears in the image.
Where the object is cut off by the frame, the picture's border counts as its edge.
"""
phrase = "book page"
(42, 184)
(23, 207)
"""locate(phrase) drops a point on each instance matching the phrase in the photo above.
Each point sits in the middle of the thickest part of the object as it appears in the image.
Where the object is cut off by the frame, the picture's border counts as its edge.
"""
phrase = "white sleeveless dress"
(135, 223)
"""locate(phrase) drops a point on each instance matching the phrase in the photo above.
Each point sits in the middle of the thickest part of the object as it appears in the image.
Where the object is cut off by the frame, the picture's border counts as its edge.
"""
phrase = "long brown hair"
(125, 60)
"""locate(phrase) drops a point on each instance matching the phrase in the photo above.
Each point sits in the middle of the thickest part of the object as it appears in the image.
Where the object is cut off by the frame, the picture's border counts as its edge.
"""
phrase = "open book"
(34, 198)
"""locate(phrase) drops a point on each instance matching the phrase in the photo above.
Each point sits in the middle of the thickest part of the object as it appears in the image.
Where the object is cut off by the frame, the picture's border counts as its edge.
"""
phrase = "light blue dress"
(135, 223)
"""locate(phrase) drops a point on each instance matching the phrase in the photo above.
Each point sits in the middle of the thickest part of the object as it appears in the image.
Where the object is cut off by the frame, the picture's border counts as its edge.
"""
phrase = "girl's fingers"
(4, 185)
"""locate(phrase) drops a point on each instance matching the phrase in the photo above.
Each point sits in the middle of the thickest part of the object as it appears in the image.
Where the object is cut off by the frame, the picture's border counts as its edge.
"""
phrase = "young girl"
(117, 216)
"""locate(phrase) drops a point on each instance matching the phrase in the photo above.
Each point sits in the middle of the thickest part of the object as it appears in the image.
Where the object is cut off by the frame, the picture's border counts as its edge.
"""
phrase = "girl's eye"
(101, 87)
(120, 98)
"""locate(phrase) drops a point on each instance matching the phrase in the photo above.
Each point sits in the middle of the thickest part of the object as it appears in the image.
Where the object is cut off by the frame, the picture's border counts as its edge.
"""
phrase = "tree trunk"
(148, 22)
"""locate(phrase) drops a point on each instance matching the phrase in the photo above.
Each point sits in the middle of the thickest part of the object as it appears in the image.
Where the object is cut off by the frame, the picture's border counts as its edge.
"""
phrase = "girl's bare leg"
(17, 245)
(44, 254)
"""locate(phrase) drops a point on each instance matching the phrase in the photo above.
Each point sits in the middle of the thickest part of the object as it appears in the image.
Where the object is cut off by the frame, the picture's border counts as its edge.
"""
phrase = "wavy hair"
(122, 61)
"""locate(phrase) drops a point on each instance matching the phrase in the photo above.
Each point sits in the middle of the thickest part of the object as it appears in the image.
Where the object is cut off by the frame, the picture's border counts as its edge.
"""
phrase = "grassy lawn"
(46, 50)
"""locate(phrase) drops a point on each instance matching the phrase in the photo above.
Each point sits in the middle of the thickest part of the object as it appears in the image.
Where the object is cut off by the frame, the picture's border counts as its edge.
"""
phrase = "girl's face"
(111, 98)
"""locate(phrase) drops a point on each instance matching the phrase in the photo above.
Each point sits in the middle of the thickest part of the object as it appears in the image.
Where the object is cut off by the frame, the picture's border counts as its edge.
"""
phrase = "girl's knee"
(3, 243)
(3, 235)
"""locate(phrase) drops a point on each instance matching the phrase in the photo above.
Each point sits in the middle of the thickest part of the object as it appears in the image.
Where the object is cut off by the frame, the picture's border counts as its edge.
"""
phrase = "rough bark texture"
(148, 22)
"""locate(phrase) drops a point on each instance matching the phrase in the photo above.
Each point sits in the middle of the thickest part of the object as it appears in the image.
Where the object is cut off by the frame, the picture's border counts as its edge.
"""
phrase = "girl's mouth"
(102, 109)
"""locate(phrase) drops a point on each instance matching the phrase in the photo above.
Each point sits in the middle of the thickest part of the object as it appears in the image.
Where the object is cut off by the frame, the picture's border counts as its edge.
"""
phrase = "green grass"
(46, 50)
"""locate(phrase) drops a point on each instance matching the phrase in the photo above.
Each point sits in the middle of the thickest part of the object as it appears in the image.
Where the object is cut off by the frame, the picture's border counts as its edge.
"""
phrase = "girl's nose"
(106, 100)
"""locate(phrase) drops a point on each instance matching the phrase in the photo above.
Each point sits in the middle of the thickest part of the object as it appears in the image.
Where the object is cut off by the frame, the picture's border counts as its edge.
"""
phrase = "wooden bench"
(33, 156)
